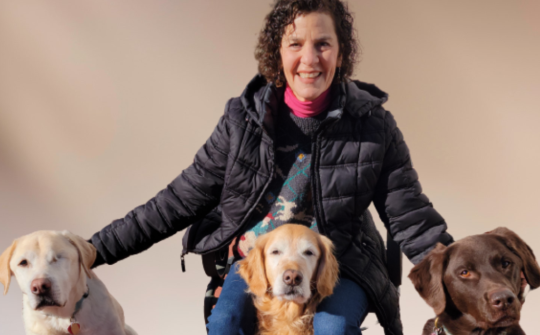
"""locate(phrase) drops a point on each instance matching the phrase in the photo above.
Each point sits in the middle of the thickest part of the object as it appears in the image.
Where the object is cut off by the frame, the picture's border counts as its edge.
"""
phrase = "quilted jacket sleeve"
(411, 219)
(185, 200)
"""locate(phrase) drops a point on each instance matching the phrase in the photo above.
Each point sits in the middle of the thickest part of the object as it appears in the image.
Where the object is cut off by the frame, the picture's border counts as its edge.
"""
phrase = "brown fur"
(462, 304)
(286, 317)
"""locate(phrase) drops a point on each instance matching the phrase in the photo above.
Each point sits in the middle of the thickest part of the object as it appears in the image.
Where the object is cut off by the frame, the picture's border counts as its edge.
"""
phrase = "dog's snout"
(292, 277)
(41, 286)
(502, 299)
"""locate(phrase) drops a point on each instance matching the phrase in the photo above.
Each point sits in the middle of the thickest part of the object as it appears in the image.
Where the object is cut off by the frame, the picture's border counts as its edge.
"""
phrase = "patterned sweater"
(288, 197)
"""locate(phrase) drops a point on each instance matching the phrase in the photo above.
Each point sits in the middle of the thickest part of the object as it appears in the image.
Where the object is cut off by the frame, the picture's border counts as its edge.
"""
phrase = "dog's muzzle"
(293, 290)
(292, 278)
(41, 286)
(503, 305)
(42, 289)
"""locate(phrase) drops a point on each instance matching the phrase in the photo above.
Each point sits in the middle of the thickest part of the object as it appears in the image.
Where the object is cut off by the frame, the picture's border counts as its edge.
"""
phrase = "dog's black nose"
(41, 286)
(502, 299)
(292, 277)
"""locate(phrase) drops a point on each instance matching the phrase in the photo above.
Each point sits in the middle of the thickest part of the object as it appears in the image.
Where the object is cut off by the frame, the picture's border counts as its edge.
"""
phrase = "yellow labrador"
(61, 295)
(289, 271)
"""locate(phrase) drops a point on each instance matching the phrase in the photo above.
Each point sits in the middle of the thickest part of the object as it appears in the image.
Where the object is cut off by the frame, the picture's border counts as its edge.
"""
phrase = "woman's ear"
(328, 269)
(252, 268)
(5, 271)
(427, 277)
(87, 252)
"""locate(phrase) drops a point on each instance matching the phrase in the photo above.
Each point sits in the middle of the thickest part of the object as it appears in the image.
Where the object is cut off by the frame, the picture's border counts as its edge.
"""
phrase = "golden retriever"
(289, 271)
(61, 295)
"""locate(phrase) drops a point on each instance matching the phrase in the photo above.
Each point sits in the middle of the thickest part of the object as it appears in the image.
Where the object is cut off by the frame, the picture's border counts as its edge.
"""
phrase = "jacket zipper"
(314, 185)
(316, 194)
(182, 261)
(315, 188)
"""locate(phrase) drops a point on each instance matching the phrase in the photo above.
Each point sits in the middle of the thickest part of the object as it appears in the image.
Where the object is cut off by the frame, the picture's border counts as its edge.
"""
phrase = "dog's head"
(478, 276)
(289, 263)
(48, 267)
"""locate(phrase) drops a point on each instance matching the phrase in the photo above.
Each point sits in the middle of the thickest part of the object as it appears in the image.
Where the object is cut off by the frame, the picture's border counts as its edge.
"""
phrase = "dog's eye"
(505, 264)
(308, 253)
(465, 274)
(24, 262)
(275, 252)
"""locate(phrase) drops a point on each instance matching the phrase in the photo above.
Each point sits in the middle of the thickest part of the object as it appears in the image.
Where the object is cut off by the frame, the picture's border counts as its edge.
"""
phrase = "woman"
(302, 144)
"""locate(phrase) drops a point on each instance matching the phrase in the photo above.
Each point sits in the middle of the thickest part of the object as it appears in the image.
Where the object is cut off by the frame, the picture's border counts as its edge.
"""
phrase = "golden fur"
(289, 247)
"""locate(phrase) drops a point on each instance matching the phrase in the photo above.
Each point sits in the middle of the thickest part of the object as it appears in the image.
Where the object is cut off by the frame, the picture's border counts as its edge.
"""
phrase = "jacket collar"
(359, 97)
(261, 100)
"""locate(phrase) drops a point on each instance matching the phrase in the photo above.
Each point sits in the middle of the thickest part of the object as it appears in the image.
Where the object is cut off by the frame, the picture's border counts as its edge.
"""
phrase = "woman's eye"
(505, 264)
(465, 274)
(308, 253)
(24, 262)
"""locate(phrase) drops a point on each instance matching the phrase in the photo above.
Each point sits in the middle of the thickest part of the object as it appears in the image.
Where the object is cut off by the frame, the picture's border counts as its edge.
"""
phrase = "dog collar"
(443, 331)
(75, 327)
(439, 330)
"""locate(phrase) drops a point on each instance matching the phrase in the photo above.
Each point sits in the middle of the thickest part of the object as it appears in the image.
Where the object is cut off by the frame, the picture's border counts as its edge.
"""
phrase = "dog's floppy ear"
(328, 269)
(252, 268)
(5, 271)
(520, 248)
(87, 252)
(427, 278)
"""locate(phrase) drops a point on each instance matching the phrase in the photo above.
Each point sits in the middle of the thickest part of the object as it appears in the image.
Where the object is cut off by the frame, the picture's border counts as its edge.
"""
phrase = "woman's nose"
(310, 55)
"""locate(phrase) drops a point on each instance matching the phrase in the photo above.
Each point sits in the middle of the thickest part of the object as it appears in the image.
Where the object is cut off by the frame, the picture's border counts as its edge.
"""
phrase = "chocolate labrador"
(474, 285)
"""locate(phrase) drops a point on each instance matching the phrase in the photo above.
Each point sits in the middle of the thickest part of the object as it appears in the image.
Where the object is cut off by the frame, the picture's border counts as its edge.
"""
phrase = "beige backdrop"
(102, 103)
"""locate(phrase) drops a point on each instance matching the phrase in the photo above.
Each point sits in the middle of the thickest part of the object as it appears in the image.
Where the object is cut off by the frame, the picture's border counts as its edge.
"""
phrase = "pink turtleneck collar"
(306, 109)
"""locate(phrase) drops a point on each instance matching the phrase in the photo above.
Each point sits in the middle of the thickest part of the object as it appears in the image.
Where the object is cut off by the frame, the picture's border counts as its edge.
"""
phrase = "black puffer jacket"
(359, 156)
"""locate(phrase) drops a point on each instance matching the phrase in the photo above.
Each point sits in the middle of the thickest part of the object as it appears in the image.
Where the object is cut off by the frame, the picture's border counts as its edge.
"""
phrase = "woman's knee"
(234, 312)
(328, 324)
(222, 321)
(343, 311)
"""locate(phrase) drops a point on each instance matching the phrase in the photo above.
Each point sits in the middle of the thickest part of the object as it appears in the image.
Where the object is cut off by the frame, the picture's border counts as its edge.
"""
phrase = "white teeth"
(309, 75)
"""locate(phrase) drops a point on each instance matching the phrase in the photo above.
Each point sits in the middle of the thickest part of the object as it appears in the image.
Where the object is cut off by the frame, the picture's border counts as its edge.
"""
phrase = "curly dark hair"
(284, 12)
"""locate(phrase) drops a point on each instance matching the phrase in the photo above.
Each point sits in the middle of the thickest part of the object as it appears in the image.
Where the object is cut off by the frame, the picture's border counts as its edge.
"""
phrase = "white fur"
(292, 252)
(54, 256)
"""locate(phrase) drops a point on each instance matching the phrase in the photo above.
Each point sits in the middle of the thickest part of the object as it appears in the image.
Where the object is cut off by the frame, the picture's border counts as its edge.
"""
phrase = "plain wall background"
(103, 103)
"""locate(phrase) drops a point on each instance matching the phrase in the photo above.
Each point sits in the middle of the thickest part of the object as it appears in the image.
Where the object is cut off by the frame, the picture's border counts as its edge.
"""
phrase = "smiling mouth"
(310, 75)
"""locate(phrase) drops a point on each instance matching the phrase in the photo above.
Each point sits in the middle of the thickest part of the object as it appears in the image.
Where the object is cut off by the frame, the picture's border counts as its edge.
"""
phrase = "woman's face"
(310, 54)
